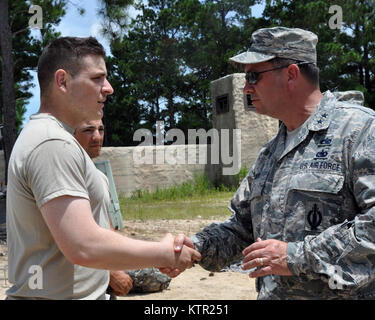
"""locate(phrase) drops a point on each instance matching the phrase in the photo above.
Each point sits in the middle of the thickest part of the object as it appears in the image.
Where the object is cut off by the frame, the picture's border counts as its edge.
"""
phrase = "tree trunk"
(171, 109)
(8, 92)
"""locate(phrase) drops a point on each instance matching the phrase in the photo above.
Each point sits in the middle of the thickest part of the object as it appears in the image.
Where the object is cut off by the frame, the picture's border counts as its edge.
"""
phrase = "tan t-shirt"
(106, 186)
(47, 162)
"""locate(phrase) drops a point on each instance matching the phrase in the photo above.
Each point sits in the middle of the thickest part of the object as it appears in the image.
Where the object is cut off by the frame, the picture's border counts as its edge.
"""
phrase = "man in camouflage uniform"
(304, 216)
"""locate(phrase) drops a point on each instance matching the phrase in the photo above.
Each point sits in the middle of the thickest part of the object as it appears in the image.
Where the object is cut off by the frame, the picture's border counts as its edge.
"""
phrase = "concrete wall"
(130, 174)
(179, 165)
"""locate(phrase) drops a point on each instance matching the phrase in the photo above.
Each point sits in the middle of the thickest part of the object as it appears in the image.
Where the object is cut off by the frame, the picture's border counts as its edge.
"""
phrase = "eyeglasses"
(252, 76)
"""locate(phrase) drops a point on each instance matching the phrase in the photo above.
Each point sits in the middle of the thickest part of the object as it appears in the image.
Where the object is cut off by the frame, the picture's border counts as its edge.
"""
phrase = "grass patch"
(186, 201)
(206, 206)
(200, 186)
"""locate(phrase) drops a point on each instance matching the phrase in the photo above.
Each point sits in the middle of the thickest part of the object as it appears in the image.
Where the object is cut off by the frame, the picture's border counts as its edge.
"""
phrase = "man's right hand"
(180, 242)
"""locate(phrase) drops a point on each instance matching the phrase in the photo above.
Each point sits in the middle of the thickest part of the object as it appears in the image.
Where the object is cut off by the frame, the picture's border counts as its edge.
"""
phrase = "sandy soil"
(194, 284)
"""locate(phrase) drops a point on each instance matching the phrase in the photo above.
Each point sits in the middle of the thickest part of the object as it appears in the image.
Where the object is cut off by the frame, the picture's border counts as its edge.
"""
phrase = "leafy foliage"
(27, 48)
(19, 54)
(346, 56)
(164, 59)
(172, 51)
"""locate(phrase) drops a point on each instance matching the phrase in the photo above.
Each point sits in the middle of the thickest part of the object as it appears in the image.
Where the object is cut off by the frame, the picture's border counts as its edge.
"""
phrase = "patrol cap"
(281, 42)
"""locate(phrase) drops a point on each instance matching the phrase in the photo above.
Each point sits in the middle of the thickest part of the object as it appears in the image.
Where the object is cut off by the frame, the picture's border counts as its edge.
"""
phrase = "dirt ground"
(194, 284)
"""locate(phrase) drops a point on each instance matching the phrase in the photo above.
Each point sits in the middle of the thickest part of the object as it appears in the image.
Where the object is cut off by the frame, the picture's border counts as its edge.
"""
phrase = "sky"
(73, 24)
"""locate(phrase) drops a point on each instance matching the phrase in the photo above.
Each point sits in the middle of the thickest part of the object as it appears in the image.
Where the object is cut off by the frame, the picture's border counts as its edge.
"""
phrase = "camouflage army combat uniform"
(318, 195)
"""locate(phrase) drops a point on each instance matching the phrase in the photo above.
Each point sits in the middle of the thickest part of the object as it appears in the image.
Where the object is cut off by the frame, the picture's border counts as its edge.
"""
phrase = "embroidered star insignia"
(320, 121)
(324, 115)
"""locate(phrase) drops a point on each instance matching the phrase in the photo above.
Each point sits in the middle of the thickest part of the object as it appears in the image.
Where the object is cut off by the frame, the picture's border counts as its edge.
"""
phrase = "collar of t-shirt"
(50, 116)
(290, 135)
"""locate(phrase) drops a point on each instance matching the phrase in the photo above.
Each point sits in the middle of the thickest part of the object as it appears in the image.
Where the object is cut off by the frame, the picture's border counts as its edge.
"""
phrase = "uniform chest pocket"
(313, 203)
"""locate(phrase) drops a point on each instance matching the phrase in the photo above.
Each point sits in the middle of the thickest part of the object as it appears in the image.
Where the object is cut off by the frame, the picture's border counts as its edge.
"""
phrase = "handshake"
(180, 253)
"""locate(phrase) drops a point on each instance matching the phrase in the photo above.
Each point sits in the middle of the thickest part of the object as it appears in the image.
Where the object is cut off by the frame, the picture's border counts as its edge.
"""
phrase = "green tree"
(123, 112)
(148, 61)
(214, 30)
(122, 116)
(358, 47)
(345, 55)
(168, 57)
(19, 54)
(115, 17)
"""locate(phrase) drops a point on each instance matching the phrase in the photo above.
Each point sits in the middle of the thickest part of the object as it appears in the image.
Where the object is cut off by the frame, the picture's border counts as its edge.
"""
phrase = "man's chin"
(257, 105)
(93, 155)
(98, 115)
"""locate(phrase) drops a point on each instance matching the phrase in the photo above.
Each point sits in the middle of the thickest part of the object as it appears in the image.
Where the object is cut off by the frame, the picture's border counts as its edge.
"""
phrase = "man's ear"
(61, 78)
(292, 73)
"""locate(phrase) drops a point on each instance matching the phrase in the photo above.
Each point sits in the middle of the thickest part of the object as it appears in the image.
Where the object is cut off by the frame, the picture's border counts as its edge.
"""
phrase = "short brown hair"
(309, 71)
(65, 53)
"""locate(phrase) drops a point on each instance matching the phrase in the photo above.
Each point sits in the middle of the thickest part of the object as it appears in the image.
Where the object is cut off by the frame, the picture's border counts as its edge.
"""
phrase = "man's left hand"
(120, 282)
(269, 256)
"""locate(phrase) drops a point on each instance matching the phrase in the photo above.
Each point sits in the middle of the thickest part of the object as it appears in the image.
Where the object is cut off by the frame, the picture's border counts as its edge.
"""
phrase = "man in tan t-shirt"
(59, 242)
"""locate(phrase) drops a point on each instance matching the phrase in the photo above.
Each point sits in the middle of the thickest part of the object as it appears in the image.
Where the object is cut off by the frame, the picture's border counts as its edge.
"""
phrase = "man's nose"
(95, 136)
(249, 88)
(107, 88)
